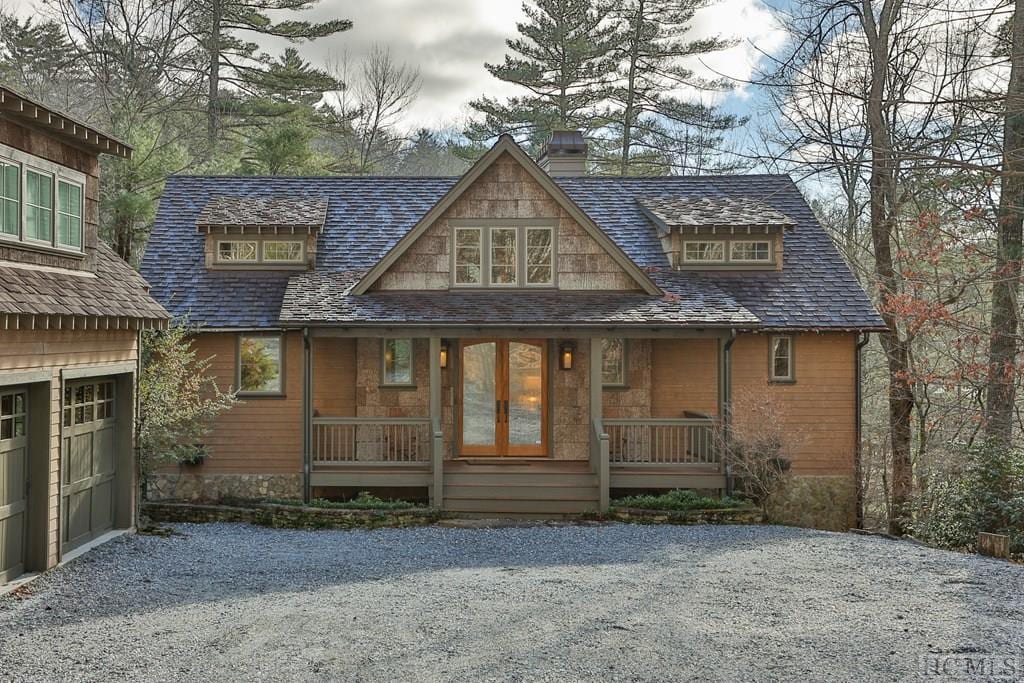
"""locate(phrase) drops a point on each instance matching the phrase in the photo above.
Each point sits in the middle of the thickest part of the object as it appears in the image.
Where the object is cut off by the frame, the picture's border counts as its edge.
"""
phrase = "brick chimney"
(565, 154)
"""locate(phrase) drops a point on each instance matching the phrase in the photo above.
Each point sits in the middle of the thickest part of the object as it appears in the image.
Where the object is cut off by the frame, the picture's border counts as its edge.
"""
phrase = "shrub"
(680, 499)
(364, 501)
(985, 492)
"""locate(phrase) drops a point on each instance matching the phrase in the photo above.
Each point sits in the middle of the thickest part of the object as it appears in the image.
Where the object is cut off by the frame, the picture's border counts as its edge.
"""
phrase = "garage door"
(88, 461)
(13, 481)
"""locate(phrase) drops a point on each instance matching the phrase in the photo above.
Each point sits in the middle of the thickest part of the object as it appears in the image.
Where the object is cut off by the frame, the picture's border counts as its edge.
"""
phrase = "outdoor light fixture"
(565, 355)
(444, 353)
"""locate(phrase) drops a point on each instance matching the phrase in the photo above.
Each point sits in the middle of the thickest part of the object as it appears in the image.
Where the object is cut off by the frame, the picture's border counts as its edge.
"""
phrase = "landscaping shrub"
(680, 499)
(364, 501)
(985, 492)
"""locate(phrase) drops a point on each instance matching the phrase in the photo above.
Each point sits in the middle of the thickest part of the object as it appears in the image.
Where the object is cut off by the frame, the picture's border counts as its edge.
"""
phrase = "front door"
(503, 398)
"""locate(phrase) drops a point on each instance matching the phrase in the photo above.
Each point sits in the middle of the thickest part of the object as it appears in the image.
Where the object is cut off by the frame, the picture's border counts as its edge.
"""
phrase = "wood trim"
(505, 144)
(125, 368)
(28, 377)
(534, 332)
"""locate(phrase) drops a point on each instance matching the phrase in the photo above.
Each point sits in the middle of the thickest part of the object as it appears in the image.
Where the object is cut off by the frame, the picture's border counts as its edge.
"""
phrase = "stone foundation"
(289, 516)
(215, 487)
(816, 502)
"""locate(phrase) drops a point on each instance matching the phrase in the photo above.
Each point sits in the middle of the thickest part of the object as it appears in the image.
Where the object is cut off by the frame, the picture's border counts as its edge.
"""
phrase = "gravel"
(561, 603)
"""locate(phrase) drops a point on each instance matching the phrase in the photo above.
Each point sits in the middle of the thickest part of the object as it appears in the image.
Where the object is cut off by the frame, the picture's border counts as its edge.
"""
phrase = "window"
(468, 256)
(10, 197)
(398, 362)
(236, 251)
(500, 256)
(613, 362)
(38, 206)
(710, 252)
(69, 214)
(282, 251)
(88, 402)
(260, 365)
(13, 415)
(750, 252)
(781, 359)
(539, 261)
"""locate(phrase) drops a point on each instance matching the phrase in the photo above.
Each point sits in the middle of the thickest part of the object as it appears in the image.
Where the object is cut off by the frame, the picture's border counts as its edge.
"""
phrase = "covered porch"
(518, 421)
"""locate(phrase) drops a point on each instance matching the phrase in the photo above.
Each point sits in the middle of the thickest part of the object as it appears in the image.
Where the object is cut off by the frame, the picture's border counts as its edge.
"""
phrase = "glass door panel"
(480, 398)
(525, 395)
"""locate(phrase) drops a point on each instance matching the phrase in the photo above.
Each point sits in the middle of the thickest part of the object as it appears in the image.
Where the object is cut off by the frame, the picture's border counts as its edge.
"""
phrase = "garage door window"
(84, 403)
(12, 415)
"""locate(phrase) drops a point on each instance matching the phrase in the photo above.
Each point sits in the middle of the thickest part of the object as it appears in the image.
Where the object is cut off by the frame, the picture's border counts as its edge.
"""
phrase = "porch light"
(444, 353)
(565, 355)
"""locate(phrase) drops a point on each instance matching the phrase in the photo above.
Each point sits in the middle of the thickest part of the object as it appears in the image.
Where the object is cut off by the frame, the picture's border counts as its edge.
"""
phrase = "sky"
(450, 40)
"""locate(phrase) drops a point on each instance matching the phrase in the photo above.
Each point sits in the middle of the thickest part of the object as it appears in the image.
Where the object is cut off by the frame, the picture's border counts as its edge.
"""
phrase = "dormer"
(262, 233)
(718, 233)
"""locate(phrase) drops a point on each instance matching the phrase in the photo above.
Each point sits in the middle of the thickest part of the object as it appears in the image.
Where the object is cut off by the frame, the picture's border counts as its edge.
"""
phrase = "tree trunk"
(883, 211)
(1003, 349)
(630, 100)
(213, 78)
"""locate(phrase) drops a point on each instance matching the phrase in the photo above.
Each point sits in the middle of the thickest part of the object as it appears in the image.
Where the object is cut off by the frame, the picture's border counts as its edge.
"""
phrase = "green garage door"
(13, 482)
(88, 461)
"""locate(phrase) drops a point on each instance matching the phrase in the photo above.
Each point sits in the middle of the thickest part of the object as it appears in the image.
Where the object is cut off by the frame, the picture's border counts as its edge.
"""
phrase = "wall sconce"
(444, 353)
(565, 355)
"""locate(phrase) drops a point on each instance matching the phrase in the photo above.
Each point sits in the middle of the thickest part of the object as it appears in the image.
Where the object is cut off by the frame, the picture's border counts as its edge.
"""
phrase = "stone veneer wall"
(570, 404)
(633, 400)
(185, 485)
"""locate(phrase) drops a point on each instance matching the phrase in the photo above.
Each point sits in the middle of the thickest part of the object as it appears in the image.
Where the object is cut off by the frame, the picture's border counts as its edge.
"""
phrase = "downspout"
(864, 338)
(307, 414)
(725, 401)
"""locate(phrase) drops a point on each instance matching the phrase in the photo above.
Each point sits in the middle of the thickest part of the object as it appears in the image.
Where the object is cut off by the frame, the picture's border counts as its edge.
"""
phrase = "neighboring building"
(70, 316)
(439, 334)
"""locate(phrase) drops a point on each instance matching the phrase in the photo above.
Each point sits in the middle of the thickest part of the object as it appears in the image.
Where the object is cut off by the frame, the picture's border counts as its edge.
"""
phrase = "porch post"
(599, 440)
(436, 435)
(307, 414)
(725, 401)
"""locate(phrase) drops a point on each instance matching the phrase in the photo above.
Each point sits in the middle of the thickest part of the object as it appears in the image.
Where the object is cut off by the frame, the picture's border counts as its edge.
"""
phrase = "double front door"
(503, 397)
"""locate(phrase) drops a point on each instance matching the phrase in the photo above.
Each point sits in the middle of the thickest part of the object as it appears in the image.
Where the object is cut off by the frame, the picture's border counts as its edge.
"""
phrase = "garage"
(14, 470)
(88, 461)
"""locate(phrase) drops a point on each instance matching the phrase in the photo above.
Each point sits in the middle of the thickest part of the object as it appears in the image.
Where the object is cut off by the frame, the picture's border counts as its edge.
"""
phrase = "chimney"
(565, 154)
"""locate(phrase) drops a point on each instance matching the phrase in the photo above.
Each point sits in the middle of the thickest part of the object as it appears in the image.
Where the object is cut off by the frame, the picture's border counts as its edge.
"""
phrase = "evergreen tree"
(650, 125)
(563, 57)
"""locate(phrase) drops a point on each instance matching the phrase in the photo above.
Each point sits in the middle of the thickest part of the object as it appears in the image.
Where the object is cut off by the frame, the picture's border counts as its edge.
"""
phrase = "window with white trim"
(260, 252)
(781, 358)
(38, 206)
(704, 251)
(613, 362)
(237, 251)
(397, 362)
(10, 197)
(69, 214)
(41, 203)
(503, 256)
(750, 251)
(282, 251)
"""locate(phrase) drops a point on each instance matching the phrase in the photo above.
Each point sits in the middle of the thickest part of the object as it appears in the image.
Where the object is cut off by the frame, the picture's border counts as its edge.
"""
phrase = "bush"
(364, 501)
(679, 499)
(985, 493)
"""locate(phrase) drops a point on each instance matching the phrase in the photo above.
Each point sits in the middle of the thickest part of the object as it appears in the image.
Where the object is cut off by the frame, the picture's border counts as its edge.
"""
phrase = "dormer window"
(750, 251)
(261, 252)
(496, 257)
(727, 253)
(41, 203)
(704, 251)
(237, 251)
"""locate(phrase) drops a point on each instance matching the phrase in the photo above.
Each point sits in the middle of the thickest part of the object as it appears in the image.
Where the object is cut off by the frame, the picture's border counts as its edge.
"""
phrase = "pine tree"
(563, 57)
(652, 129)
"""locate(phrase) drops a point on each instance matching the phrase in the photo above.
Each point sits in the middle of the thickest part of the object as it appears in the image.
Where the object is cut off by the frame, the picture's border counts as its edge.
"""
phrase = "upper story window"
(268, 252)
(726, 252)
(41, 203)
(503, 256)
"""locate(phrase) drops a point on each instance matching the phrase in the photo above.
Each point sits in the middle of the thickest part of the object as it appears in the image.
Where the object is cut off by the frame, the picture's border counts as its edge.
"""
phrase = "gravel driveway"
(604, 602)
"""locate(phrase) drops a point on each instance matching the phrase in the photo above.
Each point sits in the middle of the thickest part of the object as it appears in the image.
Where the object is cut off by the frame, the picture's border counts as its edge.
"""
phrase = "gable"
(505, 188)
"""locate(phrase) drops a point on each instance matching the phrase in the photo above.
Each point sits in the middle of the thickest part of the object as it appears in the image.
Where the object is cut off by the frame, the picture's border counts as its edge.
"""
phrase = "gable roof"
(712, 212)
(367, 216)
(506, 145)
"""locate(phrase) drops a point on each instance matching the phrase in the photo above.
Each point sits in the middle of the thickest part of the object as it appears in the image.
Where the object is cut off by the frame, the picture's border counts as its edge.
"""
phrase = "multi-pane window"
(69, 214)
(13, 415)
(88, 402)
(282, 251)
(706, 251)
(613, 362)
(539, 261)
(503, 256)
(10, 197)
(237, 251)
(782, 359)
(260, 364)
(750, 251)
(38, 206)
(398, 368)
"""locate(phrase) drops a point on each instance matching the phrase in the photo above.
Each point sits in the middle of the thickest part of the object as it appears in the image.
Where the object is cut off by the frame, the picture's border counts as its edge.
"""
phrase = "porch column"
(725, 400)
(436, 435)
(599, 440)
(307, 414)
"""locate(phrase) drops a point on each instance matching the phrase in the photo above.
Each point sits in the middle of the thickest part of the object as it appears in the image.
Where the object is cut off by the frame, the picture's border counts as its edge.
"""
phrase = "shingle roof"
(290, 212)
(318, 298)
(698, 212)
(366, 216)
(113, 290)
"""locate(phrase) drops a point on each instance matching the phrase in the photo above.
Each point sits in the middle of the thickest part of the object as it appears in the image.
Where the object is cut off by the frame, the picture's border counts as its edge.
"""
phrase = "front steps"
(519, 487)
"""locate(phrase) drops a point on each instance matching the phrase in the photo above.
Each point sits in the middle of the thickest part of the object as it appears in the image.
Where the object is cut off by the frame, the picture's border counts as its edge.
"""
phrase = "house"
(521, 339)
(71, 313)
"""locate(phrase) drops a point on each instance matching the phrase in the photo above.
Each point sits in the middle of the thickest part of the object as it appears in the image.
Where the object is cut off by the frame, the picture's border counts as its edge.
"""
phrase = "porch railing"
(661, 441)
(339, 440)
